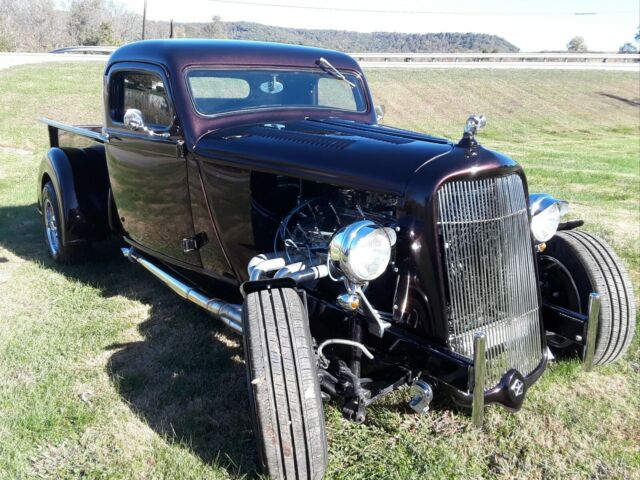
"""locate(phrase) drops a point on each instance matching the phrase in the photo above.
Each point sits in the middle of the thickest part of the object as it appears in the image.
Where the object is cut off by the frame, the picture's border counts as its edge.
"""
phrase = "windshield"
(216, 91)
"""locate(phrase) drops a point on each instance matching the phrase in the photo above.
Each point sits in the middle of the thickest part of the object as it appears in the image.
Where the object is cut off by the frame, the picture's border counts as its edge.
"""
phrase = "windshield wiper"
(323, 62)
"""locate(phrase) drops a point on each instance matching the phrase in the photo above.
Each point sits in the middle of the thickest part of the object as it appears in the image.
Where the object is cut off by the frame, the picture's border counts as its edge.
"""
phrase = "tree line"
(350, 41)
(41, 25)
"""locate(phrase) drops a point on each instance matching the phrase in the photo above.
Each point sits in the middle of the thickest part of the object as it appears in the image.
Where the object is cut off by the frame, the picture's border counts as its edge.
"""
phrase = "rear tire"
(594, 267)
(284, 392)
(52, 222)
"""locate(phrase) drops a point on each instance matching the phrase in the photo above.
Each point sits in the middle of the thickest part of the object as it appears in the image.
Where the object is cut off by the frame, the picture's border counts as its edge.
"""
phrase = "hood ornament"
(471, 128)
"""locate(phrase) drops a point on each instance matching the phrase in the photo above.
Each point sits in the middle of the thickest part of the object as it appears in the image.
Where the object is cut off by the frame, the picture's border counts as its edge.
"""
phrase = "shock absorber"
(355, 334)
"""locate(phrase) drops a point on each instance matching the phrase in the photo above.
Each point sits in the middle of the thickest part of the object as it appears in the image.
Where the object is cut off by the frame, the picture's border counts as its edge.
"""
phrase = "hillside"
(345, 40)
(38, 25)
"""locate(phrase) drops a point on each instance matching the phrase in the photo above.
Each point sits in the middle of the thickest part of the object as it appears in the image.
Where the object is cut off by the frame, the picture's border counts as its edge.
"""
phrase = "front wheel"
(577, 263)
(284, 393)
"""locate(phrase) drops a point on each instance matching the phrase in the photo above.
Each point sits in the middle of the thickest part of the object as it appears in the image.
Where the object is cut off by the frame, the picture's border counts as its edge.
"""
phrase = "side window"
(144, 92)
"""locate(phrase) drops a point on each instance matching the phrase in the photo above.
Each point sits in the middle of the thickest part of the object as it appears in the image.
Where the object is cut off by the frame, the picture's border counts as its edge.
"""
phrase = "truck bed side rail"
(92, 132)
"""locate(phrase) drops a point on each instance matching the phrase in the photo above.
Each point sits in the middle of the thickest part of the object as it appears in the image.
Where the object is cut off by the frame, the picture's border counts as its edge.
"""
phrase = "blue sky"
(532, 26)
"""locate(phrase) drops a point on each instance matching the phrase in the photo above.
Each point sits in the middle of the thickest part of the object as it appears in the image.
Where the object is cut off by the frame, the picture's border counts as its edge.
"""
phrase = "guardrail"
(629, 62)
(98, 50)
(499, 57)
(439, 57)
(622, 62)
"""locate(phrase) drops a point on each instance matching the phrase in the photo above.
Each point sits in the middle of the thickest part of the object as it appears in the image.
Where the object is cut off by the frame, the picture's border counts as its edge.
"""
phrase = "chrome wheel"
(51, 227)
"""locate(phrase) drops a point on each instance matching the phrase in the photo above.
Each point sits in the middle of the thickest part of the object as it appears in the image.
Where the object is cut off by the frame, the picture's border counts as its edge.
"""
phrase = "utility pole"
(144, 17)
(171, 29)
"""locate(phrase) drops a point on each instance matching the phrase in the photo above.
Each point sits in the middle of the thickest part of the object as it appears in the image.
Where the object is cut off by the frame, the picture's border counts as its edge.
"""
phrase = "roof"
(177, 54)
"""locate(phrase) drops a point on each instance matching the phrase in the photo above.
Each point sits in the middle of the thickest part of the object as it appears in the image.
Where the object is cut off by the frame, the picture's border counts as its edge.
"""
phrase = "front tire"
(284, 393)
(592, 266)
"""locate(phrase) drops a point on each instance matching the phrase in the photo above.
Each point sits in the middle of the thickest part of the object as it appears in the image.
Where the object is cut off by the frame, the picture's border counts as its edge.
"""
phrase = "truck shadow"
(178, 370)
(632, 102)
(181, 372)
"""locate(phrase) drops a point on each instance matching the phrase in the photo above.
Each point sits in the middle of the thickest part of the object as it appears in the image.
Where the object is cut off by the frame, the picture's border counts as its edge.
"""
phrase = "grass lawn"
(104, 373)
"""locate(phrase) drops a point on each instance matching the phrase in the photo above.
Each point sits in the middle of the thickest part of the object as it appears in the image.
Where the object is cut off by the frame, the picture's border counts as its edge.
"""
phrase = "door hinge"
(191, 244)
(181, 150)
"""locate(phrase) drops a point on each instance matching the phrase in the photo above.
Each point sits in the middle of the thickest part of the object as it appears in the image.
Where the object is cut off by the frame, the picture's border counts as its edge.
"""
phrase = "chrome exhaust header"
(301, 270)
(228, 313)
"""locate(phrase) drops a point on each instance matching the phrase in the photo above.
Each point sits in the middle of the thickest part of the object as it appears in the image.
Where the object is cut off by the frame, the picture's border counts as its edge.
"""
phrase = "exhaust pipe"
(228, 313)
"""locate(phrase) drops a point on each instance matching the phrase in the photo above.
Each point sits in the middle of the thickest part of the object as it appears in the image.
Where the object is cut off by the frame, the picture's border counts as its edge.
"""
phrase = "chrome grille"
(489, 263)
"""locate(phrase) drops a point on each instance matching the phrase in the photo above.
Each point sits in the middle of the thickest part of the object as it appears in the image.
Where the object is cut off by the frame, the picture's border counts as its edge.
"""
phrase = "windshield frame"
(359, 77)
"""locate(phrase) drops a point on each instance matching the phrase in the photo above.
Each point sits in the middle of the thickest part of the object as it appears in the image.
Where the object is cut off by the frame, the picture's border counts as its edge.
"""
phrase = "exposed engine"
(307, 229)
(304, 218)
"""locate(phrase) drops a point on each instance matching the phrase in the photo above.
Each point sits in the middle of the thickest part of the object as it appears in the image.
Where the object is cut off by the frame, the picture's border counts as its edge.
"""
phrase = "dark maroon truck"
(362, 258)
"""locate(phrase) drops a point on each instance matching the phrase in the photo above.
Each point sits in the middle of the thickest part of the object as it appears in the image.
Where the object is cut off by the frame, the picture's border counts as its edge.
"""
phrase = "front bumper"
(458, 375)
(509, 392)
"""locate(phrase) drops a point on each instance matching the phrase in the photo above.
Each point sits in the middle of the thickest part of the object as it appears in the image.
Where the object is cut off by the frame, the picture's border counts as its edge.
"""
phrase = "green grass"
(106, 374)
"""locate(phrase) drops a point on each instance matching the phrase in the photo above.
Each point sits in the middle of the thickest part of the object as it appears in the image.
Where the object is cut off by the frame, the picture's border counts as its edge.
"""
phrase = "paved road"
(12, 59)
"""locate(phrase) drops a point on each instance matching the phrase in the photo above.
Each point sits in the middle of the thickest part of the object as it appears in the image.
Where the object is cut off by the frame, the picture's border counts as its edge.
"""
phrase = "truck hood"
(332, 151)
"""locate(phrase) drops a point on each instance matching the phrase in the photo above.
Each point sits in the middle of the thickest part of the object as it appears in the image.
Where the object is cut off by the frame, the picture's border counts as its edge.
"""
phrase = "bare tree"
(126, 25)
(7, 40)
(30, 25)
(215, 29)
(628, 48)
(576, 44)
(84, 21)
(41, 26)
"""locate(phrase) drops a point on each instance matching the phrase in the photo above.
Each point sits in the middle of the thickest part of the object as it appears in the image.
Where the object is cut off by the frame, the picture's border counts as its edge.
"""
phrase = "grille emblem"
(517, 387)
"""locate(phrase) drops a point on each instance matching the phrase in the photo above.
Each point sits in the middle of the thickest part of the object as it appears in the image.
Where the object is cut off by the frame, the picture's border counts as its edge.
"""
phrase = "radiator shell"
(490, 273)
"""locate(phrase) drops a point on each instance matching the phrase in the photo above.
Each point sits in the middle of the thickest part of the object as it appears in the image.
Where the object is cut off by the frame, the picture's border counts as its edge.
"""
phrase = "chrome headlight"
(362, 250)
(545, 215)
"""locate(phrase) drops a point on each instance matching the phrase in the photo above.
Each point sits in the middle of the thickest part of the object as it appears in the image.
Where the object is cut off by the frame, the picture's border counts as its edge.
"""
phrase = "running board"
(228, 313)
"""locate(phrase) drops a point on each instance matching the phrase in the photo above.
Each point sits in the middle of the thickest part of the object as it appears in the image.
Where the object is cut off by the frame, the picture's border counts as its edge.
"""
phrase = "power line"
(412, 12)
(144, 18)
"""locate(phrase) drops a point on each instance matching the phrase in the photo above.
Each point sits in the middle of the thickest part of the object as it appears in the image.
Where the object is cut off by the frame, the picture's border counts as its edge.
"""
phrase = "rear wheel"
(53, 222)
(577, 263)
(284, 393)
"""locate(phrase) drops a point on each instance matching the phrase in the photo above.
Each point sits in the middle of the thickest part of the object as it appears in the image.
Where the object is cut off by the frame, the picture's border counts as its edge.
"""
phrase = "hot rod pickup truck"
(360, 258)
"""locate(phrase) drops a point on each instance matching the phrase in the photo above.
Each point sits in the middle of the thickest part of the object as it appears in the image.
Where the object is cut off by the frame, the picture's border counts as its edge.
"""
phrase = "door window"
(145, 92)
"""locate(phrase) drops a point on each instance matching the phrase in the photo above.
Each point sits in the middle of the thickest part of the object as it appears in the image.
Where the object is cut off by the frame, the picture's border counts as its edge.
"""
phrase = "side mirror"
(379, 113)
(133, 119)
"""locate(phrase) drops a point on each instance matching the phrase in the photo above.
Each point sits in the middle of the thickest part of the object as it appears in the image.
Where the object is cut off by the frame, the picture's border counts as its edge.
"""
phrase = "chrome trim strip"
(75, 129)
(479, 370)
(592, 330)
